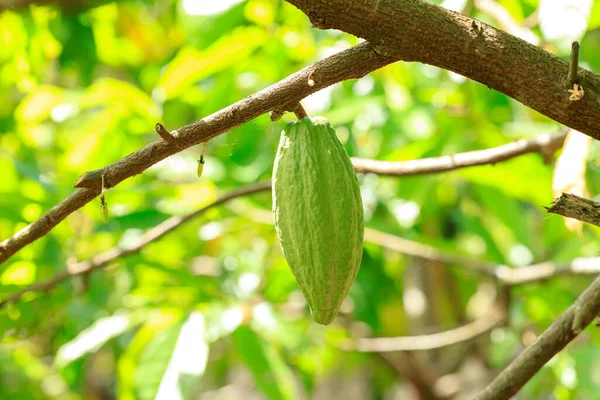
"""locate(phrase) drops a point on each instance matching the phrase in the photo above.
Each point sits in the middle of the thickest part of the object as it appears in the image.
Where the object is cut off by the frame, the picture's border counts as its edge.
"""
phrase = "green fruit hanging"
(318, 214)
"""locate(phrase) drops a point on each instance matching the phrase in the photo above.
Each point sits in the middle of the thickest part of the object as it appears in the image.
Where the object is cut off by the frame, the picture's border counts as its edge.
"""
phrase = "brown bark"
(417, 30)
(572, 206)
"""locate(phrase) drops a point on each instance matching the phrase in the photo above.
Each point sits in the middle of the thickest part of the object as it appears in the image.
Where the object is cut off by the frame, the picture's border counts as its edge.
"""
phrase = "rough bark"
(417, 30)
(572, 206)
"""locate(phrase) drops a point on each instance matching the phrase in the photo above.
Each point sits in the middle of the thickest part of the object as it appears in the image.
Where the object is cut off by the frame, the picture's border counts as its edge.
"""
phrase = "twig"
(574, 64)
(348, 64)
(153, 234)
(164, 133)
(536, 273)
(426, 252)
(572, 206)
(501, 274)
(437, 340)
(47, 221)
(553, 340)
(545, 144)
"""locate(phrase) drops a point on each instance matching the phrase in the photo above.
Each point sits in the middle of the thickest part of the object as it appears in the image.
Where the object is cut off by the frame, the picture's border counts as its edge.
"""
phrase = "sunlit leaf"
(191, 65)
(19, 273)
(92, 338)
(130, 359)
(173, 360)
(570, 171)
(38, 105)
(109, 92)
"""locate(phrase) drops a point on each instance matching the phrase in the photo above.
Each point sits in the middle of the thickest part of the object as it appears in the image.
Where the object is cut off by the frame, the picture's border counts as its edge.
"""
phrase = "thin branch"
(433, 341)
(46, 222)
(536, 273)
(284, 95)
(417, 30)
(153, 234)
(426, 252)
(499, 273)
(545, 144)
(554, 339)
(572, 206)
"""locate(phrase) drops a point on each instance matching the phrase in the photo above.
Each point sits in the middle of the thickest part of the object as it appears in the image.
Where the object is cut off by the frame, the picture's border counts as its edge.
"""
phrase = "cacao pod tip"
(323, 317)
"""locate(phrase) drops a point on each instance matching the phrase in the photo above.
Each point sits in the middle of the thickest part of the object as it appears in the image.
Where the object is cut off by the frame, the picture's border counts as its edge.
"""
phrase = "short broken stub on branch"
(90, 180)
(164, 133)
(572, 206)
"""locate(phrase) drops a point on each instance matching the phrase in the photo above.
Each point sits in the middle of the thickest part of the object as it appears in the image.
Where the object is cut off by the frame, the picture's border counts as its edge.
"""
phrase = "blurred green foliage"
(81, 89)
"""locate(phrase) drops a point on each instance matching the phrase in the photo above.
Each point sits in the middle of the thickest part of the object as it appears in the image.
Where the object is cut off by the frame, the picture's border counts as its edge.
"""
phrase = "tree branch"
(545, 144)
(284, 95)
(103, 259)
(417, 30)
(572, 206)
(49, 220)
(433, 341)
(554, 339)
(501, 274)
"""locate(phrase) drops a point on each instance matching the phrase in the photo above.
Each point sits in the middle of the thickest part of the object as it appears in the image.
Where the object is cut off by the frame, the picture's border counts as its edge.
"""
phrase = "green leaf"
(37, 105)
(92, 338)
(191, 65)
(272, 375)
(117, 93)
(172, 362)
(525, 178)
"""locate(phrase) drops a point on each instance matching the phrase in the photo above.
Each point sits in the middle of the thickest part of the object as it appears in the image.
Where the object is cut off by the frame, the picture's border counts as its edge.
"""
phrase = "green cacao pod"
(318, 214)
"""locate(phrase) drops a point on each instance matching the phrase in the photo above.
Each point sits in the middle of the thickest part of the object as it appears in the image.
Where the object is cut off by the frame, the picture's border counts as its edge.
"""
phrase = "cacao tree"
(183, 182)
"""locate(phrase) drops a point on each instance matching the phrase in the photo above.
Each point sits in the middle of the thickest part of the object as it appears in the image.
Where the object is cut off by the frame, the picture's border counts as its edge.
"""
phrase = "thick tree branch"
(433, 341)
(417, 30)
(553, 340)
(284, 95)
(573, 206)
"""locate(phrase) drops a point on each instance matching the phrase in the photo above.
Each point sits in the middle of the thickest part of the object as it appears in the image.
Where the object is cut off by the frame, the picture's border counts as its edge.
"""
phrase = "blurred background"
(211, 311)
